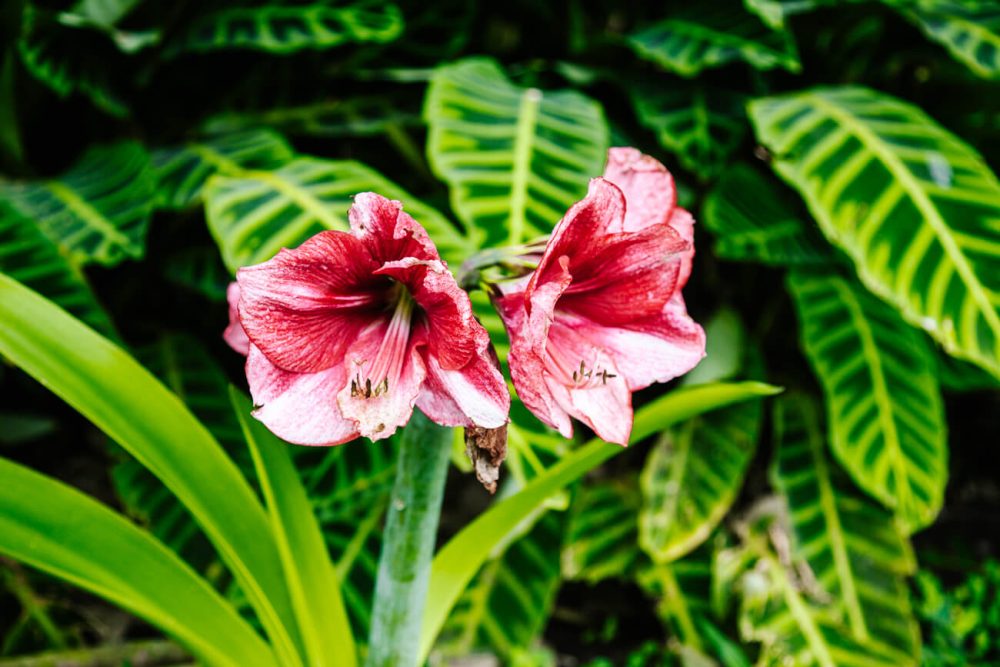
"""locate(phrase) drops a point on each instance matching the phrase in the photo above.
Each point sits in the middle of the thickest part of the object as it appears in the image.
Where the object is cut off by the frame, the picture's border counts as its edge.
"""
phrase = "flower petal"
(303, 307)
(234, 335)
(389, 233)
(379, 412)
(447, 311)
(682, 222)
(474, 395)
(655, 350)
(299, 407)
(527, 368)
(650, 195)
(605, 409)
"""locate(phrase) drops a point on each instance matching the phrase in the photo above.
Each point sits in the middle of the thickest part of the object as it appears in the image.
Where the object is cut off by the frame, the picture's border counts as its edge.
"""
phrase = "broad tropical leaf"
(913, 206)
(775, 13)
(98, 210)
(682, 591)
(753, 222)
(855, 549)
(515, 158)
(692, 476)
(55, 528)
(957, 375)
(358, 115)
(457, 563)
(257, 213)
(286, 28)
(602, 536)
(702, 125)
(507, 605)
(969, 30)
(181, 171)
(199, 269)
(71, 59)
(27, 255)
(712, 35)
(795, 630)
(105, 12)
(887, 425)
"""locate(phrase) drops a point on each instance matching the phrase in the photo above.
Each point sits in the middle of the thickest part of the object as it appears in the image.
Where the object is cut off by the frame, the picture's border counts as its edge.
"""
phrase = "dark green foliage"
(838, 156)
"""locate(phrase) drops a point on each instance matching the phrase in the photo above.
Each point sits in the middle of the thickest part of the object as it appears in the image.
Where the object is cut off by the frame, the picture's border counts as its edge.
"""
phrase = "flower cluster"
(350, 331)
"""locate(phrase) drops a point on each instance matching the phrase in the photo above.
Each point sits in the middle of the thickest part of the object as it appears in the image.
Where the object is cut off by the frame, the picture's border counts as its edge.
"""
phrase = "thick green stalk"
(408, 545)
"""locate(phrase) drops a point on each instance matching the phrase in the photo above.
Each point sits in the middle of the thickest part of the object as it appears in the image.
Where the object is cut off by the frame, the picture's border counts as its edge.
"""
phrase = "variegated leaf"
(887, 424)
(914, 206)
(515, 158)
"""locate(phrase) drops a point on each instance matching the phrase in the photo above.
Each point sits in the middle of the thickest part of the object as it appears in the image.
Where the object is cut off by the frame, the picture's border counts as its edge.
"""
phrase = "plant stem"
(410, 532)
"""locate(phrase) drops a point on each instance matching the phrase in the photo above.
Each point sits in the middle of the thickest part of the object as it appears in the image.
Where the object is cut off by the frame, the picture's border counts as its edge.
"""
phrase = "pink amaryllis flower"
(346, 333)
(602, 315)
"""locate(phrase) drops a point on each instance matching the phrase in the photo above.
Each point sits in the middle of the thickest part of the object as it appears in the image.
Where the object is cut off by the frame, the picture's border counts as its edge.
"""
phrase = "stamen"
(388, 361)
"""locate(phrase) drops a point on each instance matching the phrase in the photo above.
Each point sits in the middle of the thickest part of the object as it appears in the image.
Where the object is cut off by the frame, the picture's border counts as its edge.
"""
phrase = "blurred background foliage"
(839, 157)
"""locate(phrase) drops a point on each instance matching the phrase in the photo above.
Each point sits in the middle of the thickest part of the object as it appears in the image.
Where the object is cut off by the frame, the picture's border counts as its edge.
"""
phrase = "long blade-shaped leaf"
(887, 424)
(55, 528)
(914, 206)
(515, 158)
(119, 396)
(312, 583)
(457, 563)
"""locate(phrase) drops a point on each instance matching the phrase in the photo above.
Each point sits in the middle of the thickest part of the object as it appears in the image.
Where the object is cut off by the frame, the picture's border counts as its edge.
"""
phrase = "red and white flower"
(602, 315)
(350, 331)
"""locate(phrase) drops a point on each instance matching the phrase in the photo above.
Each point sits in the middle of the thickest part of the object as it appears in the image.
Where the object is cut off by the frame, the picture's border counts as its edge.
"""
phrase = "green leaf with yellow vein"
(514, 158)
(914, 207)
(182, 171)
(969, 30)
(714, 34)
(701, 124)
(775, 13)
(752, 221)
(692, 476)
(793, 628)
(507, 605)
(887, 424)
(857, 554)
(98, 210)
(255, 213)
(27, 255)
(603, 532)
(285, 28)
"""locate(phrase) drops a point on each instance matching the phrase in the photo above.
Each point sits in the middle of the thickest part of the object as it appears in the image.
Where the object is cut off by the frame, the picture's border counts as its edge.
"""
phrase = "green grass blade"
(55, 528)
(457, 563)
(110, 388)
(312, 583)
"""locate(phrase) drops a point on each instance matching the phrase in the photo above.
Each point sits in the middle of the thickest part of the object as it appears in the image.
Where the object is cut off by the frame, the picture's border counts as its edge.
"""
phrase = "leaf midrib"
(880, 392)
(527, 120)
(912, 187)
(89, 214)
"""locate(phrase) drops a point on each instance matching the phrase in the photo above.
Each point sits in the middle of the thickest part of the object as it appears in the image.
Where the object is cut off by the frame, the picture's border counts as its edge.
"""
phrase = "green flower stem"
(410, 533)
